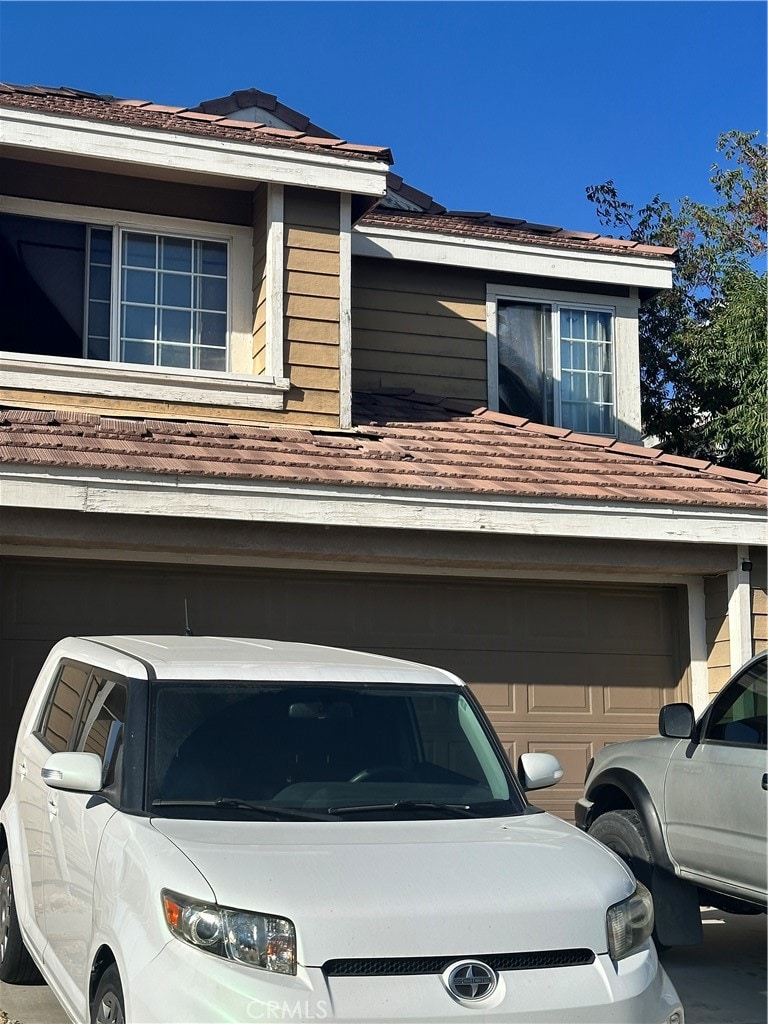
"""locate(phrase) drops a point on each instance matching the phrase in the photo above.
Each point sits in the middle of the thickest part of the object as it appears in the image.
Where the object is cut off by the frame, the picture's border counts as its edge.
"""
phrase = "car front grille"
(364, 968)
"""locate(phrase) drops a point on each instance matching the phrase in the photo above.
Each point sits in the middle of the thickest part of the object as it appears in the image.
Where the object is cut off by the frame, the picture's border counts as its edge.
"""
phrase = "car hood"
(416, 888)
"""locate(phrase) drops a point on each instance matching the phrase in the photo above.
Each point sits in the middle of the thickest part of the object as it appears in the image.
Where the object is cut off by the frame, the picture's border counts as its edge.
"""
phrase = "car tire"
(16, 965)
(623, 832)
(108, 1004)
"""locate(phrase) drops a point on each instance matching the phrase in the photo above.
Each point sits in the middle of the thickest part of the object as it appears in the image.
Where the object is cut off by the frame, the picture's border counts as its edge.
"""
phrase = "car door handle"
(765, 781)
(21, 768)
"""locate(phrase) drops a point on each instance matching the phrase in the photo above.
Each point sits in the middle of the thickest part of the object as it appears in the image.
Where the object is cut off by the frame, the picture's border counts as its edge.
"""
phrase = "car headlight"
(629, 923)
(257, 940)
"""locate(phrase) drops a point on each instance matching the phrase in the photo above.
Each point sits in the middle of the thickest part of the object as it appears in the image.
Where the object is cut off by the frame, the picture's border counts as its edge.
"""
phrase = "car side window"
(101, 723)
(62, 705)
(738, 715)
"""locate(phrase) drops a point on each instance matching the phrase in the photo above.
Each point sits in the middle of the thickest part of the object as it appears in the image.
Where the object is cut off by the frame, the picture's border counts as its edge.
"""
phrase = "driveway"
(722, 981)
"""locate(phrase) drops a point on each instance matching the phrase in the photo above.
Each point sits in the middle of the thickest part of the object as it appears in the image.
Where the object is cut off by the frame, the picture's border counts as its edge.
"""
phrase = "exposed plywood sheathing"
(718, 633)
(312, 305)
(260, 280)
(418, 327)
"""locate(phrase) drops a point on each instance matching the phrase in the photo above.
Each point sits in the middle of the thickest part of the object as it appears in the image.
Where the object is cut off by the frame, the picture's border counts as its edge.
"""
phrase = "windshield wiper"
(281, 813)
(459, 810)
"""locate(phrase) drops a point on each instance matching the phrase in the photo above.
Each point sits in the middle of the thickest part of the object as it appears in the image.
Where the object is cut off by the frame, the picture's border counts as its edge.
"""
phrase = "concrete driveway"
(722, 981)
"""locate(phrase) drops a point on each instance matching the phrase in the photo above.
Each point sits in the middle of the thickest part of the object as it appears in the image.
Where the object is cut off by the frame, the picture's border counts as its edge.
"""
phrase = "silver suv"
(687, 809)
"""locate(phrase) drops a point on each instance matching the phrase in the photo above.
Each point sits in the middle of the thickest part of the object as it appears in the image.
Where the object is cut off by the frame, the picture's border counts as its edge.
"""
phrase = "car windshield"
(296, 751)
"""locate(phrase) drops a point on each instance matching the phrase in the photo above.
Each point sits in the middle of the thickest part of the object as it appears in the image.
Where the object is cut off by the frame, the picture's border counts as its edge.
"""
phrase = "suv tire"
(623, 832)
(16, 965)
(108, 1003)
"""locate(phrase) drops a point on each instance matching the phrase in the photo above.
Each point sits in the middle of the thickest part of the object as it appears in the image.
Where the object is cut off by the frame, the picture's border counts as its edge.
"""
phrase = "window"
(62, 706)
(556, 363)
(109, 293)
(101, 721)
(739, 714)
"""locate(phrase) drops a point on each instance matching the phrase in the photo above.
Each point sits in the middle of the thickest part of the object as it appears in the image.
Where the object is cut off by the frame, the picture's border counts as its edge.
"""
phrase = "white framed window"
(552, 362)
(129, 304)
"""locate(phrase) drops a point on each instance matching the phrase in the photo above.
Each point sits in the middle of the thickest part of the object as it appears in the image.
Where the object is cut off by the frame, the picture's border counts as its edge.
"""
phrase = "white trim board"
(205, 498)
(510, 257)
(152, 147)
(345, 312)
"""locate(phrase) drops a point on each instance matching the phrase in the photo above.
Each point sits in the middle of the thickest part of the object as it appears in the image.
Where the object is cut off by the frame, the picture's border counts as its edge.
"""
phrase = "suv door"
(715, 802)
(77, 821)
(49, 734)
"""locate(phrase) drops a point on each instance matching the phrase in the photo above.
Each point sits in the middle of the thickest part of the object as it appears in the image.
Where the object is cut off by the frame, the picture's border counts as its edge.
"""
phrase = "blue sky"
(509, 107)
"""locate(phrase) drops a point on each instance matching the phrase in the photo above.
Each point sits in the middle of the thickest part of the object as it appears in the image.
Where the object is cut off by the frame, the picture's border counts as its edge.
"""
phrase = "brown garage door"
(559, 667)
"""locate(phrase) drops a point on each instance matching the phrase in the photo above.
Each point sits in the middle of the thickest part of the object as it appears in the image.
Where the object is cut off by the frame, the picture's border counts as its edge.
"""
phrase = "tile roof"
(508, 229)
(186, 120)
(402, 441)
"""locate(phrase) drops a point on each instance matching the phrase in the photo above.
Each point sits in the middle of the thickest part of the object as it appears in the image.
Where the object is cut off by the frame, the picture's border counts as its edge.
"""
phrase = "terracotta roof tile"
(420, 443)
(486, 226)
(186, 120)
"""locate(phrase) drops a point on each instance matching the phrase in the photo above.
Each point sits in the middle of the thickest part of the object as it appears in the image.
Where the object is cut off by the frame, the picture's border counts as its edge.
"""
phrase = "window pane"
(593, 388)
(101, 245)
(176, 254)
(212, 258)
(139, 286)
(99, 282)
(175, 325)
(209, 359)
(138, 352)
(524, 333)
(572, 323)
(98, 319)
(575, 416)
(212, 329)
(579, 387)
(607, 425)
(176, 290)
(138, 322)
(212, 293)
(98, 348)
(62, 706)
(578, 356)
(139, 250)
(174, 355)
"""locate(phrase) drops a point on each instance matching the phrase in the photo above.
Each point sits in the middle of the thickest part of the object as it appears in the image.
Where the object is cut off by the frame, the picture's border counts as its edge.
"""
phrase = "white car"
(205, 829)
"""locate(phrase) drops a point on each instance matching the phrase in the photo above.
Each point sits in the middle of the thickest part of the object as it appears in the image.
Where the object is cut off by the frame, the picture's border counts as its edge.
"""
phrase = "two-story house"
(247, 368)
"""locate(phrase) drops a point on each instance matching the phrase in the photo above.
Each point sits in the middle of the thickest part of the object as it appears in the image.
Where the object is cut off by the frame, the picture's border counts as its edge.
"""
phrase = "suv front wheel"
(623, 832)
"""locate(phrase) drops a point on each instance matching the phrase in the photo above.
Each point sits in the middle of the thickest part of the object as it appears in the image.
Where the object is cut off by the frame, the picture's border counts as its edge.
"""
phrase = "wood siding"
(718, 635)
(312, 304)
(28, 180)
(260, 280)
(759, 600)
(418, 327)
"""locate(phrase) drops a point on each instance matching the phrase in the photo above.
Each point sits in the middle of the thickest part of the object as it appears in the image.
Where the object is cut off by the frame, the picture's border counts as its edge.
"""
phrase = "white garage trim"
(740, 612)
(205, 498)
(697, 635)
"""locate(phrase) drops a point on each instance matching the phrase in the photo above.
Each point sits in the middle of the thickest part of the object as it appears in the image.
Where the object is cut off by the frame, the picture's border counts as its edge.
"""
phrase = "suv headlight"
(629, 923)
(257, 940)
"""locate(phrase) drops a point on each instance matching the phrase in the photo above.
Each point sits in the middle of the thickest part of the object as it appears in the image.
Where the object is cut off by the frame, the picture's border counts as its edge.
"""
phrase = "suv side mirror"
(77, 771)
(539, 770)
(677, 721)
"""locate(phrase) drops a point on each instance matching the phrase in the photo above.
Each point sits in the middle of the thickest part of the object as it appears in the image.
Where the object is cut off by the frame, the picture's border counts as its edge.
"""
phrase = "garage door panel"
(565, 667)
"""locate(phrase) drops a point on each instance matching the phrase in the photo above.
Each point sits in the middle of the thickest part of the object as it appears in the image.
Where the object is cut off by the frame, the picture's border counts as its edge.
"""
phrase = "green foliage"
(703, 344)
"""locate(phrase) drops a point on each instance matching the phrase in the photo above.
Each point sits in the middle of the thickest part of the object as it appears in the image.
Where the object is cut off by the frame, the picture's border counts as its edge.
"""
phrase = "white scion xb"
(204, 829)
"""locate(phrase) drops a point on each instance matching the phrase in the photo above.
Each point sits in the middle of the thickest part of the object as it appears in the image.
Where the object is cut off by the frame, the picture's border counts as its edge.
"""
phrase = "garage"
(559, 666)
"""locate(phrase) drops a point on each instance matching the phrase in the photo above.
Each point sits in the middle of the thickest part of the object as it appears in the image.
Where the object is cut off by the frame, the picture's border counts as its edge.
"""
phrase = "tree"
(704, 362)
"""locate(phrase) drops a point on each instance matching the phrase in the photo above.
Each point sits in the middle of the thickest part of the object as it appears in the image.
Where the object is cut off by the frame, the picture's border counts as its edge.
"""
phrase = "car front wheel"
(108, 1004)
(16, 965)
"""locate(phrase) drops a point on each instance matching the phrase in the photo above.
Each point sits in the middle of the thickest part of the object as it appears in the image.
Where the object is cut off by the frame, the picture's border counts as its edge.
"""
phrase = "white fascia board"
(152, 147)
(258, 501)
(511, 257)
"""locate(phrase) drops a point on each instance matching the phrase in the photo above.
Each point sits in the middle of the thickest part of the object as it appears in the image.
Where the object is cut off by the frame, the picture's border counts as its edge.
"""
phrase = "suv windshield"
(296, 751)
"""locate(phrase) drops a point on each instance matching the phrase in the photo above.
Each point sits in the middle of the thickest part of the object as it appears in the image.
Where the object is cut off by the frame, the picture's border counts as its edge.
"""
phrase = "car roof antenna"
(187, 628)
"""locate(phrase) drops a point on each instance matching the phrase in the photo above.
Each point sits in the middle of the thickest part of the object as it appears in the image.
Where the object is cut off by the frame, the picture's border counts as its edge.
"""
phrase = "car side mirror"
(77, 771)
(539, 770)
(677, 721)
